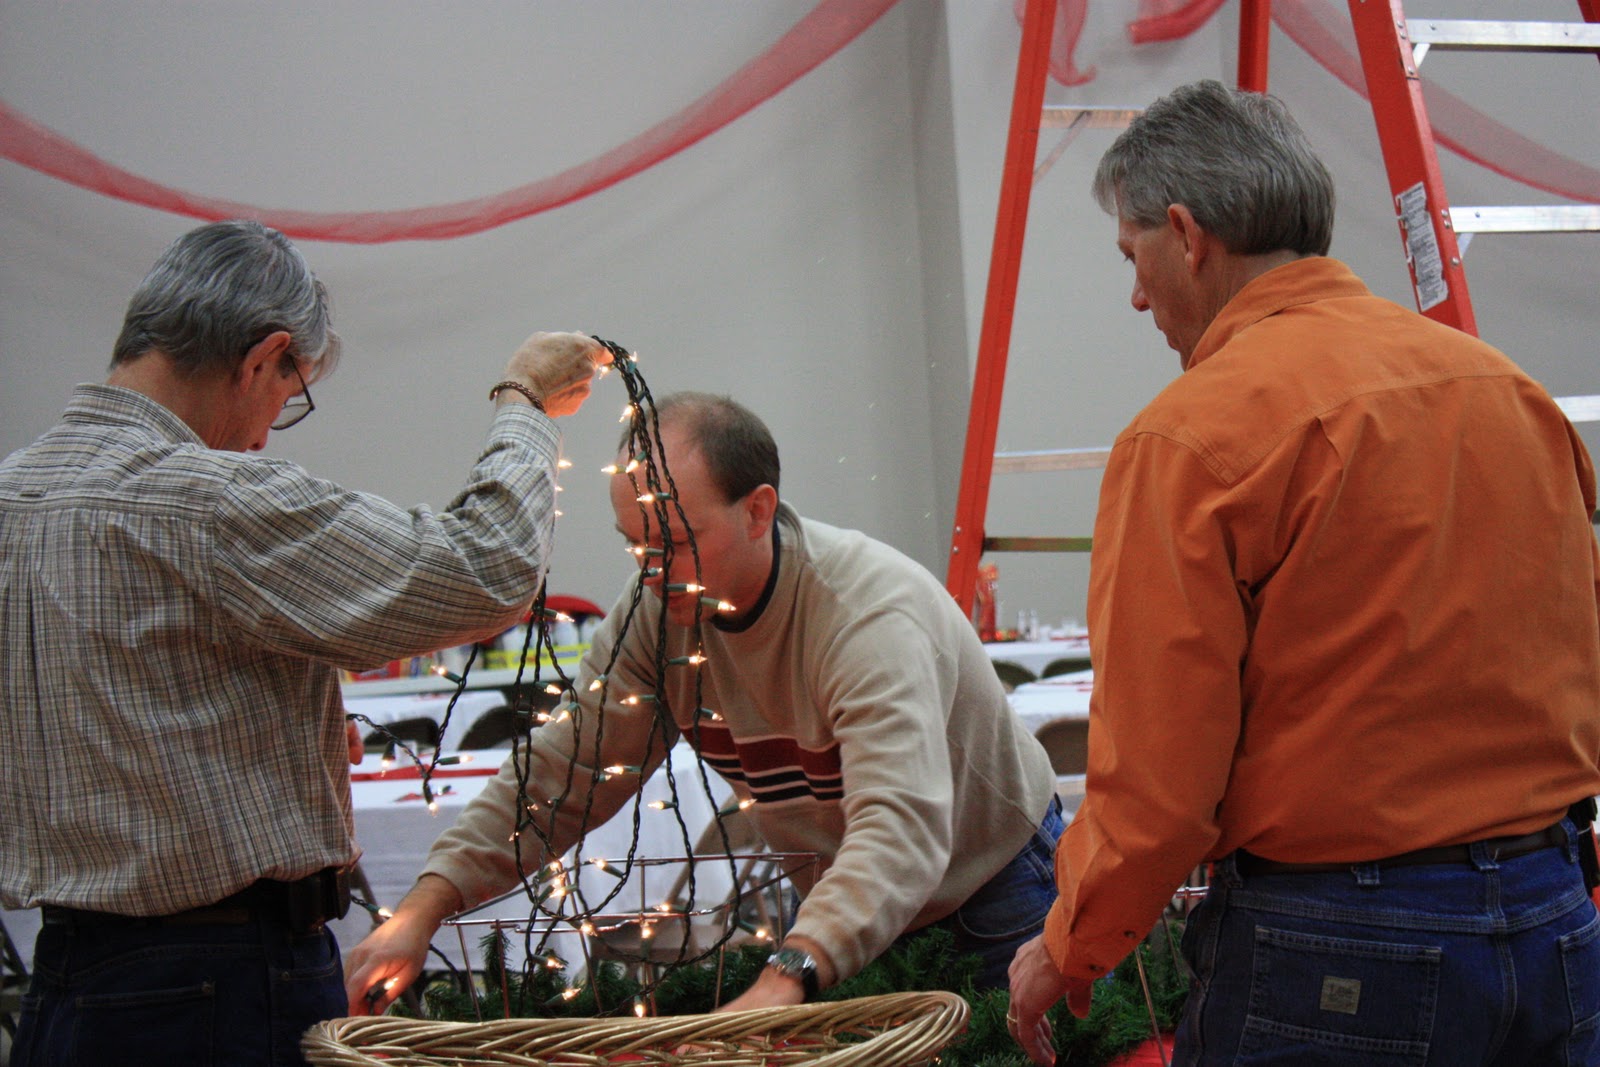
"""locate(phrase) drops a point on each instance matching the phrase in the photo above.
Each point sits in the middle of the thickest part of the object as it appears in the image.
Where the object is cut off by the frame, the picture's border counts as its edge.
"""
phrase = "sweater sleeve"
(558, 782)
(886, 687)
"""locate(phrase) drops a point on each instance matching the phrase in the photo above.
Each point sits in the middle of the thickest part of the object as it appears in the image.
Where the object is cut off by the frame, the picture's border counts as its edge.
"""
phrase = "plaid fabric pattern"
(171, 727)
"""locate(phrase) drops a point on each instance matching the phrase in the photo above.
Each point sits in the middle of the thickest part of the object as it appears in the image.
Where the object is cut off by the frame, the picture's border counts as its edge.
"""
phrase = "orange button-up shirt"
(1342, 605)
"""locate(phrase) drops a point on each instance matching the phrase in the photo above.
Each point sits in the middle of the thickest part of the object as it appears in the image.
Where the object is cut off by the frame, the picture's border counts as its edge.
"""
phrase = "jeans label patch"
(1342, 995)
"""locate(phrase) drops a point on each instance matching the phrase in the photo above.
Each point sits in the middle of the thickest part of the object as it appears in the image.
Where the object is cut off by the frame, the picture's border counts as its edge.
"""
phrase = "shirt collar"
(115, 406)
(751, 617)
(1298, 282)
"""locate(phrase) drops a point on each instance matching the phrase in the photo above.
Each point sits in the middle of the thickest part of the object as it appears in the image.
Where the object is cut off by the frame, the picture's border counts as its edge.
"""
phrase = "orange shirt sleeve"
(1168, 633)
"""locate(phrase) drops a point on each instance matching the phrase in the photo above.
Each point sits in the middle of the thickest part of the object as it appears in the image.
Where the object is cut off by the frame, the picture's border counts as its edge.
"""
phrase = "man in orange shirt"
(1343, 616)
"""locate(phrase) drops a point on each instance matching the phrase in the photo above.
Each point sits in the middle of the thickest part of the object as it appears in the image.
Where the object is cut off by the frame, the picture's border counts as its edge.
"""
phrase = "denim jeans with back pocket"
(1439, 965)
(134, 993)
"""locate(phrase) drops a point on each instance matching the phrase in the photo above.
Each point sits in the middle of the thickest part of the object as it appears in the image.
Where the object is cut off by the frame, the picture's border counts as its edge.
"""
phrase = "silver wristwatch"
(795, 963)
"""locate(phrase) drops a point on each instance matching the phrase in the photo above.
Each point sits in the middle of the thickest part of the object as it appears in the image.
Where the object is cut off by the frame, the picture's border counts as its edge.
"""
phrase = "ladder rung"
(1579, 408)
(1459, 35)
(1089, 118)
(1539, 218)
(1052, 459)
(1036, 544)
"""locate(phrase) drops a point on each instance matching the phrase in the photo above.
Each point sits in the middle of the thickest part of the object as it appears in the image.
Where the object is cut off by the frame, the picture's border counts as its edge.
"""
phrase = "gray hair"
(1236, 159)
(221, 288)
(736, 445)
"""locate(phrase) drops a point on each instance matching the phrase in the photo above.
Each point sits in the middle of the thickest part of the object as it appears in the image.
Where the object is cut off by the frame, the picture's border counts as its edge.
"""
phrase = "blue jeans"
(1444, 965)
(121, 993)
(1009, 909)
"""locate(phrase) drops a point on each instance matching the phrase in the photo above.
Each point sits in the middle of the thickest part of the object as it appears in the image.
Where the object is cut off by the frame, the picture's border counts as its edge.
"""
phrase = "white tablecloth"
(384, 710)
(1063, 696)
(395, 830)
(1034, 656)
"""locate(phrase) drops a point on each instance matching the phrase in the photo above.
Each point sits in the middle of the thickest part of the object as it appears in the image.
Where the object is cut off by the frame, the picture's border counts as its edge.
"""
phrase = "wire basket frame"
(655, 937)
(894, 1030)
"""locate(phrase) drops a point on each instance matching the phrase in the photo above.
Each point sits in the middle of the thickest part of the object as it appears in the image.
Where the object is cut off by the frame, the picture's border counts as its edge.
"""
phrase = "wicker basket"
(887, 1031)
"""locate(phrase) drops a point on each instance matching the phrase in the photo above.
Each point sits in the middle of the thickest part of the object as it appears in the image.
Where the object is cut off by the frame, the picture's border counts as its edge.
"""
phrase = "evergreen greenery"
(1117, 1022)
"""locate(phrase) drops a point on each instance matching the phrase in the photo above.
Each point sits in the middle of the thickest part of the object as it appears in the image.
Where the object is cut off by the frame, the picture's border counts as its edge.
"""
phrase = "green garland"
(1117, 1022)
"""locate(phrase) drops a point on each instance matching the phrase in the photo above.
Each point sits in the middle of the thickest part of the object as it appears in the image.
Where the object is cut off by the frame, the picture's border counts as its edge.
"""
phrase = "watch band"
(796, 963)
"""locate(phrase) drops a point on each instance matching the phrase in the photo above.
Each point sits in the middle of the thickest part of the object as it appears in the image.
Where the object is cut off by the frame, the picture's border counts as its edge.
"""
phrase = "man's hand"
(559, 368)
(769, 990)
(774, 989)
(1036, 986)
(389, 959)
(352, 735)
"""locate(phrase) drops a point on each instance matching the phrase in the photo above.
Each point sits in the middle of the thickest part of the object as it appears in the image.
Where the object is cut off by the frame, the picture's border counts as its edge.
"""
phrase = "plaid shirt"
(171, 727)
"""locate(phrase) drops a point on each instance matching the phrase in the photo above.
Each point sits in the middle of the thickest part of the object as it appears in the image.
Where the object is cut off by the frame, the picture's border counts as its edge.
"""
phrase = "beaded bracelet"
(533, 398)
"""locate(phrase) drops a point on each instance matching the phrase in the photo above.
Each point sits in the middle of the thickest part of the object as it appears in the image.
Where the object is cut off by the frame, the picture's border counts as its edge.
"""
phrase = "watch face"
(791, 961)
(794, 963)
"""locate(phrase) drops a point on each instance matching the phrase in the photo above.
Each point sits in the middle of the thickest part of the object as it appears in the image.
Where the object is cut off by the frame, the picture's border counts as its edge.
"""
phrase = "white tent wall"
(822, 258)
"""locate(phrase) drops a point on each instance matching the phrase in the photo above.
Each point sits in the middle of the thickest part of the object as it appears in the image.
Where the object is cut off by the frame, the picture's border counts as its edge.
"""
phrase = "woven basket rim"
(912, 1028)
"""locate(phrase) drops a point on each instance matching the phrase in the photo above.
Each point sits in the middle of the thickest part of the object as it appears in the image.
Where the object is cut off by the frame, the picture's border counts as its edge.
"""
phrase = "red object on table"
(572, 605)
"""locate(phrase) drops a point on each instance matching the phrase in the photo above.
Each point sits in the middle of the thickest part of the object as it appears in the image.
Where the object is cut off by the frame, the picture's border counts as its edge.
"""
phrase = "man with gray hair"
(1342, 613)
(176, 611)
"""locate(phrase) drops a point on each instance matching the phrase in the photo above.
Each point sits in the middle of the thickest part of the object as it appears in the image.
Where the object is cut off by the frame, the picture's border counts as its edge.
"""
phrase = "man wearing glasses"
(176, 611)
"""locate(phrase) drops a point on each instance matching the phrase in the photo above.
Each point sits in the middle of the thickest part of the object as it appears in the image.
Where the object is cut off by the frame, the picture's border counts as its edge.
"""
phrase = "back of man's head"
(737, 447)
(1236, 159)
(219, 289)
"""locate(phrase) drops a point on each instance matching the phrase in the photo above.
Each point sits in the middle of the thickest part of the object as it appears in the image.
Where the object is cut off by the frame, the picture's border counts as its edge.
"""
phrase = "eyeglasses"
(296, 407)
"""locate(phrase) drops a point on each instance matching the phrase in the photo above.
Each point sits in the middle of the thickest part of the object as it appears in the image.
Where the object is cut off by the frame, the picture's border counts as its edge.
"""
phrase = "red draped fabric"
(1323, 30)
(1318, 27)
(830, 26)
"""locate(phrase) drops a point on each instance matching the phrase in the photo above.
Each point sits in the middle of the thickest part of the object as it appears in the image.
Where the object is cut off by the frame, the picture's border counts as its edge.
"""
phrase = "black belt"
(304, 905)
(1498, 848)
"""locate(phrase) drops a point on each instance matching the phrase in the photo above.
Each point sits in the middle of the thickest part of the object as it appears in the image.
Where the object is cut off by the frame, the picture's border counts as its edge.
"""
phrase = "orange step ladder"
(1028, 115)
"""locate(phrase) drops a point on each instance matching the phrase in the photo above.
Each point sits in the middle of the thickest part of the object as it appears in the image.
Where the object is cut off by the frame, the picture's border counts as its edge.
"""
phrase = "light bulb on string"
(447, 674)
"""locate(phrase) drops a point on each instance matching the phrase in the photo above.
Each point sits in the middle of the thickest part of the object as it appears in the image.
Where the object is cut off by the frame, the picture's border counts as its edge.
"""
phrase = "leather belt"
(304, 905)
(1498, 848)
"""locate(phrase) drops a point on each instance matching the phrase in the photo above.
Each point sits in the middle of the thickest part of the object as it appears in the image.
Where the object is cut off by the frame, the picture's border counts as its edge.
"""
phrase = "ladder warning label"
(1422, 248)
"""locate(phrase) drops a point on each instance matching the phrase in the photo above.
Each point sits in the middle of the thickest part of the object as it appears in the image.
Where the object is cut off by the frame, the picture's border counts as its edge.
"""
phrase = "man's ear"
(1197, 243)
(265, 356)
(761, 506)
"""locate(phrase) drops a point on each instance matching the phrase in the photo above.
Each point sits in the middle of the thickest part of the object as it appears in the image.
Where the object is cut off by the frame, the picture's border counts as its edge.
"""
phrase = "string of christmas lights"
(553, 889)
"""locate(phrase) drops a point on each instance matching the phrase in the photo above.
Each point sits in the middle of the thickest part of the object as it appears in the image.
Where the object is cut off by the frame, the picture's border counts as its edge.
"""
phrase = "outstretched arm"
(389, 959)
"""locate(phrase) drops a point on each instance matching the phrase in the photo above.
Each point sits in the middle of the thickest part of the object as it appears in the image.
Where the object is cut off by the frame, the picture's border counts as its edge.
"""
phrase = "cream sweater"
(858, 710)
